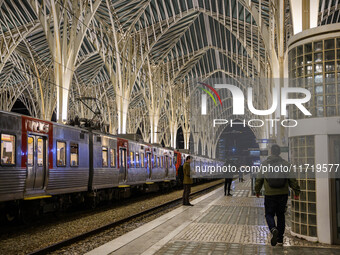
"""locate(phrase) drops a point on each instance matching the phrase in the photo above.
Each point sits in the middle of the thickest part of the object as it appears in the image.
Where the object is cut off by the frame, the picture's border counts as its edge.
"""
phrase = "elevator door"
(335, 159)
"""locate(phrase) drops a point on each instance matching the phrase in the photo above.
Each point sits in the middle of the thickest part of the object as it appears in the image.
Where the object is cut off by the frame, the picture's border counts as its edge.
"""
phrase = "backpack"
(276, 183)
(181, 173)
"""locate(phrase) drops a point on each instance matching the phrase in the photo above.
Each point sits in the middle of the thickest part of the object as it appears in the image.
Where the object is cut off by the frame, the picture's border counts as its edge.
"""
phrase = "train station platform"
(216, 224)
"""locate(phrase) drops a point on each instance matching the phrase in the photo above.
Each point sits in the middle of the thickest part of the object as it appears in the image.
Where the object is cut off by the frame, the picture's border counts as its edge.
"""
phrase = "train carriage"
(104, 171)
(12, 174)
(70, 169)
(42, 159)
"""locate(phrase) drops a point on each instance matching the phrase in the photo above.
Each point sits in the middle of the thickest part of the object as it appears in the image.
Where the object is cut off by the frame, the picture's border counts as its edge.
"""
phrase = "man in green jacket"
(276, 193)
(187, 181)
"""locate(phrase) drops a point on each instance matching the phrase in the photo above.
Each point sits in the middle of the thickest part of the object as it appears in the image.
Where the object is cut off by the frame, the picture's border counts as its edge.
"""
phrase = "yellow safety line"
(149, 182)
(123, 186)
(38, 197)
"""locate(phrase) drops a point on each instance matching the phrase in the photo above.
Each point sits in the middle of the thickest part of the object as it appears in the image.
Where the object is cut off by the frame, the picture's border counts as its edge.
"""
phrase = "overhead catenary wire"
(114, 50)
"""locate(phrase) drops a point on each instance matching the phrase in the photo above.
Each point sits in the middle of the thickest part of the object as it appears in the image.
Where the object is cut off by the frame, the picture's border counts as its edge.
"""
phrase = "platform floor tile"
(217, 224)
(204, 232)
(237, 215)
(221, 248)
(241, 201)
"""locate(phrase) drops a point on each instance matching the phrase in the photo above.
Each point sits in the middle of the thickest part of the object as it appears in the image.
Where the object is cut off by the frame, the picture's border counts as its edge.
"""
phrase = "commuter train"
(48, 166)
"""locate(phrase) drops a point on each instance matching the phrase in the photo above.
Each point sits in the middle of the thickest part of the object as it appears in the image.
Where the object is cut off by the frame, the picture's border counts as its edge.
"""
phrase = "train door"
(122, 165)
(149, 162)
(36, 162)
(166, 166)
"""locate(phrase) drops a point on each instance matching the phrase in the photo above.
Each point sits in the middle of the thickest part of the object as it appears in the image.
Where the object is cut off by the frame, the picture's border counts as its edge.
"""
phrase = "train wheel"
(12, 213)
(9, 213)
(91, 200)
(29, 211)
(93, 203)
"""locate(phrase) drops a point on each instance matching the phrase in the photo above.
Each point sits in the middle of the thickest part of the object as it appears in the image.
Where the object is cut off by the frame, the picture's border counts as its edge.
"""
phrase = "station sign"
(264, 153)
(284, 149)
(265, 140)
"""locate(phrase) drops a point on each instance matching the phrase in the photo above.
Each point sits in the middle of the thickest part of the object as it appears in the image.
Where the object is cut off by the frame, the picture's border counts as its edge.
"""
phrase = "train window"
(40, 152)
(113, 157)
(7, 149)
(132, 159)
(105, 157)
(74, 151)
(154, 161)
(137, 160)
(142, 159)
(161, 162)
(170, 162)
(61, 153)
(30, 151)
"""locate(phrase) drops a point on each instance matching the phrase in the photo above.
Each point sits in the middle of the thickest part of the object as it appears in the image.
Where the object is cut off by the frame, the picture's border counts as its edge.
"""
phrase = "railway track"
(148, 212)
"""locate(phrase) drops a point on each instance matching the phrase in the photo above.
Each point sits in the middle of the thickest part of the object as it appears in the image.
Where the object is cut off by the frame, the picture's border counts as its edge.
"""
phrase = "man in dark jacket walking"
(187, 181)
(276, 194)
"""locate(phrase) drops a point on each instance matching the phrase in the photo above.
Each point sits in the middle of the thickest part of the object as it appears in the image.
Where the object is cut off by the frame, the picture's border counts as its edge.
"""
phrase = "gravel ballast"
(39, 236)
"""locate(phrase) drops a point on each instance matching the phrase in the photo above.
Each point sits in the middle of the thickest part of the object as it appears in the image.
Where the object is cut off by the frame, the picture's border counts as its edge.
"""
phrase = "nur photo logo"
(280, 98)
(204, 97)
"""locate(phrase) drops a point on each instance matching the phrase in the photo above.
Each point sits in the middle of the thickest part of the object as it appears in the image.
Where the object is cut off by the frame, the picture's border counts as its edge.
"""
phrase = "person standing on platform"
(187, 181)
(276, 195)
(240, 176)
(227, 181)
(227, 185)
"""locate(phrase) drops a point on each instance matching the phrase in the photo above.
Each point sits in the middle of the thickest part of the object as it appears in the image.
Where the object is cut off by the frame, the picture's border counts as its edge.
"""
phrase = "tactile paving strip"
(236, 215)
(219, 248)
(205, 232)
(241, 193)
(241, 234)
(241, 201)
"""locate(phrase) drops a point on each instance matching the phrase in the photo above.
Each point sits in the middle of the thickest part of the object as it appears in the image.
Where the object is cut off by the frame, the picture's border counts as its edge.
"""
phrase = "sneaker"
(188, 204)
(275, 233)
(280, 241)
(230, 194)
